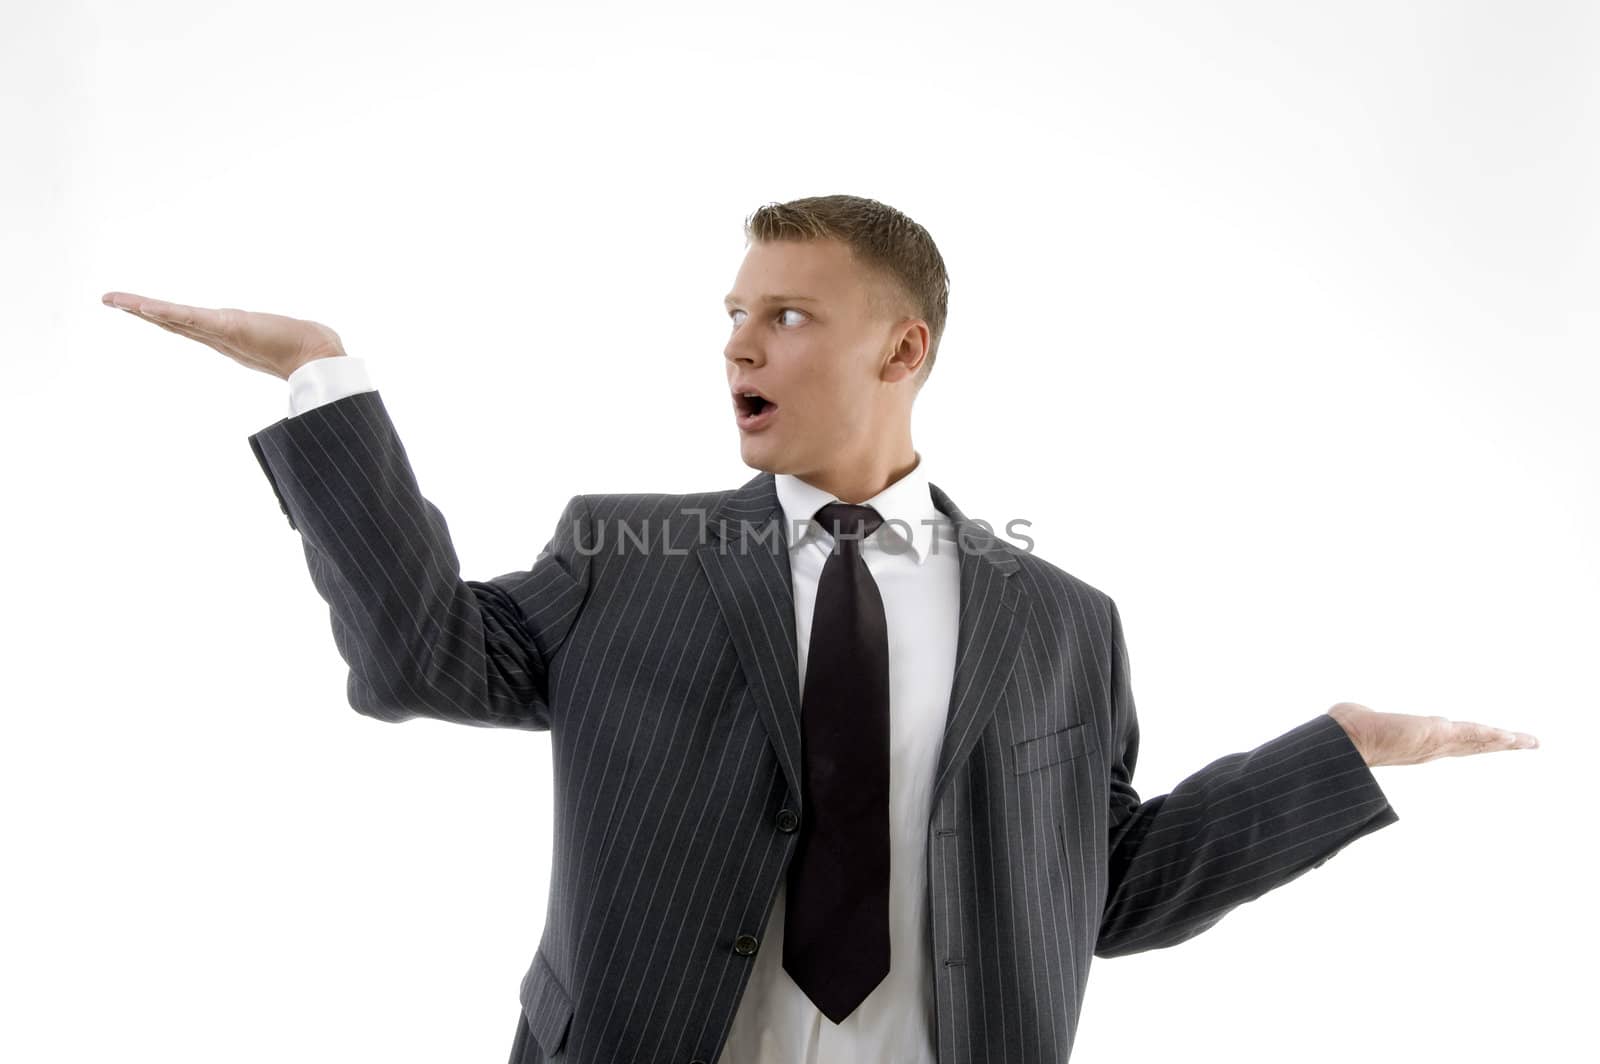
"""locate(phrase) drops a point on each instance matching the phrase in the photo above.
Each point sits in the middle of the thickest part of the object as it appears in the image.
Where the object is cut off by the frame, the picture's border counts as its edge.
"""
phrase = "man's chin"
(761, 465)
(761, 458)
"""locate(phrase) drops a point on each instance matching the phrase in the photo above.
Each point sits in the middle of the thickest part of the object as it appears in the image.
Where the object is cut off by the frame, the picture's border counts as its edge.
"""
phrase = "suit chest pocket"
(1041, 751)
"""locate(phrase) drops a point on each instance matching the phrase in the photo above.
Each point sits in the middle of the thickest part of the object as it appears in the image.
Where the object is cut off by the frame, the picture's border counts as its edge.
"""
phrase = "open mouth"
(752, 404)
(753, 410)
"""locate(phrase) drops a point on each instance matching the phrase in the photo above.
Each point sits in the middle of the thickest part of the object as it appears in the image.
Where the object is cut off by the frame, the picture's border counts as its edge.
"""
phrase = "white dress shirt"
(912, 557)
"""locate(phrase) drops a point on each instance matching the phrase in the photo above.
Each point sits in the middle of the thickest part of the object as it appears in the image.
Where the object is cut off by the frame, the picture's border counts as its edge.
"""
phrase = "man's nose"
(742, 348)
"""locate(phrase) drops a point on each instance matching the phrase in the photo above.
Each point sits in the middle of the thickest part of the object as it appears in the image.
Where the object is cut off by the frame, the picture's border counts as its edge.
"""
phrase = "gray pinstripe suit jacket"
(653, 638)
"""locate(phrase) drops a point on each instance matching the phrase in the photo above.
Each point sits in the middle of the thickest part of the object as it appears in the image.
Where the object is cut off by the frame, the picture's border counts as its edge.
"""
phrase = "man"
(840, 774)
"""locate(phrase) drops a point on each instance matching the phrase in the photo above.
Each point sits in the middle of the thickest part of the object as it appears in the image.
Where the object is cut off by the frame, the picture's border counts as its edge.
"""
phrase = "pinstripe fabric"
(653, 638)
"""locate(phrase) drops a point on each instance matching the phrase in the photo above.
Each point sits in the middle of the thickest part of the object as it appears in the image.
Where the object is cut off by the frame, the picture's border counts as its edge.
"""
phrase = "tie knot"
(848, 523)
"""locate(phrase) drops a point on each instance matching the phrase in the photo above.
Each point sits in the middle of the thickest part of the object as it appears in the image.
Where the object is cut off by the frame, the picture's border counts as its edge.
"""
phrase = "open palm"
(1409, 739)
(271, 343)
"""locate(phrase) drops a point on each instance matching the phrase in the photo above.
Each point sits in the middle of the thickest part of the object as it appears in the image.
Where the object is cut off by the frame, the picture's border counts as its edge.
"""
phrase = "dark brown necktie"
(836, 917)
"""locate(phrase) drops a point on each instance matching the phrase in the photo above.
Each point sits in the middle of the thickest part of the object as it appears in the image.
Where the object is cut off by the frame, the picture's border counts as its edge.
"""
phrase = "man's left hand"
(1407, 739)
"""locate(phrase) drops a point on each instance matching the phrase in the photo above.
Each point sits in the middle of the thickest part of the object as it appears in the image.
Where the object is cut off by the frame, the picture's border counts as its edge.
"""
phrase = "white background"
(1278, 322)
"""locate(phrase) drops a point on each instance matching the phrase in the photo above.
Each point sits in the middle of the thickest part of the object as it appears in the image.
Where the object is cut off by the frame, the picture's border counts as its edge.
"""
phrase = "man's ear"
(909, 342)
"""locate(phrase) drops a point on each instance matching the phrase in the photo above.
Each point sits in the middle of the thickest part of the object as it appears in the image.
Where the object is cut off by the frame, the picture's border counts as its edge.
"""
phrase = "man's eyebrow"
(729, 300)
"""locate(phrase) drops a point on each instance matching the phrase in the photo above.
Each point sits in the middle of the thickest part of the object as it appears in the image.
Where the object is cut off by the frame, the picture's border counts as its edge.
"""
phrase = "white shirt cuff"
(322, 380)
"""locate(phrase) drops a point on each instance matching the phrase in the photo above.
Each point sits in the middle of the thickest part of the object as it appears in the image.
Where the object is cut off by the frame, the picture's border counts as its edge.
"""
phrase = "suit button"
(787, 820)
(697, 1060)
(744, 945)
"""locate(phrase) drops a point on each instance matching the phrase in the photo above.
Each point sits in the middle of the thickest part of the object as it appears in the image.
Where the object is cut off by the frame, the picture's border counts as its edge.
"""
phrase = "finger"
(1469, 737)
(122, 300)
(1505, 739)
(137, 305)
(200, 319)
(173, 327)
(1480, 738)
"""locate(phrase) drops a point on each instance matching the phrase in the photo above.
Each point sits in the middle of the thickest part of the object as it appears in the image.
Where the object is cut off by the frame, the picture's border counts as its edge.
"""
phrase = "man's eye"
(734, 314)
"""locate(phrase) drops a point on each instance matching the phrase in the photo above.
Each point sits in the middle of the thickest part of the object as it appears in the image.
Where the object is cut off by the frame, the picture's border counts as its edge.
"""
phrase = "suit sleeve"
(419, 640)
(1244, 824)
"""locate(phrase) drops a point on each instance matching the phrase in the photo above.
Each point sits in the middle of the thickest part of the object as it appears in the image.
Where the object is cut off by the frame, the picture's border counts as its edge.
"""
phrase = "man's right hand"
(270, 343)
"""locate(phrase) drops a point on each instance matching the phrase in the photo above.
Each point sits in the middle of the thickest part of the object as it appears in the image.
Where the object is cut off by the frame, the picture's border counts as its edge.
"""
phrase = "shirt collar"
(905, 505)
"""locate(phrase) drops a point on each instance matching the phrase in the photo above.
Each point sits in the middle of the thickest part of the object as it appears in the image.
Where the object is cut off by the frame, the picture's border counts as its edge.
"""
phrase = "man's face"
(803, 335)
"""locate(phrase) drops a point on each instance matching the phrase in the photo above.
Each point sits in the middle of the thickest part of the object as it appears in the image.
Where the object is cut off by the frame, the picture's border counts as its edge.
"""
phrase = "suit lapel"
(746, 560)
(986, 645)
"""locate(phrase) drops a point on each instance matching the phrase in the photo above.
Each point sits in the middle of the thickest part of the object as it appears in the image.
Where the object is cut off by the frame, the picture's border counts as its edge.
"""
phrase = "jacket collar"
(906, 506)
(745, 558)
